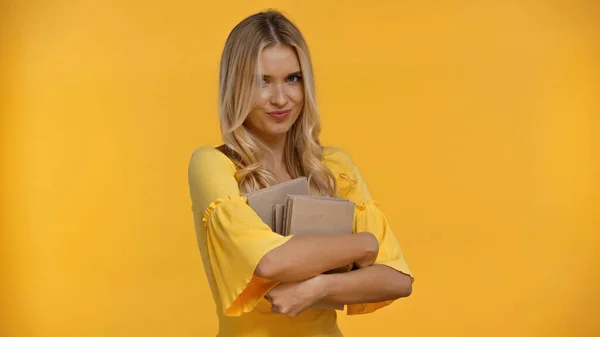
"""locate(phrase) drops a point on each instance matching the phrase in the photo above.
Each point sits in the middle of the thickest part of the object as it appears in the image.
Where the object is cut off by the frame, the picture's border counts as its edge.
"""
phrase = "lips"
(279, 114)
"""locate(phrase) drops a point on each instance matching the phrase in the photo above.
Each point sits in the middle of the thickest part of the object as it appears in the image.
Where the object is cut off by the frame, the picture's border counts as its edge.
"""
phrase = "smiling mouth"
(279, 114)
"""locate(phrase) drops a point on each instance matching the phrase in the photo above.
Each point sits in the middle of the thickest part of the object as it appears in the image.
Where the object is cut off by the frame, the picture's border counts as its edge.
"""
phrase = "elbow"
(406, 291)
(267, 269)
(404, 286)
(264, 271)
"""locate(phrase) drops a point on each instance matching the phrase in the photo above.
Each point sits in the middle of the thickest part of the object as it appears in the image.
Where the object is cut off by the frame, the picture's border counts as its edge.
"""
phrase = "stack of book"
(289, 209)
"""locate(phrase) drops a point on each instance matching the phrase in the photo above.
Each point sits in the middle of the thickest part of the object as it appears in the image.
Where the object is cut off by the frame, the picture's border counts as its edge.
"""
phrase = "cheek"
(297, 95)
(261, 99)
(259, 105)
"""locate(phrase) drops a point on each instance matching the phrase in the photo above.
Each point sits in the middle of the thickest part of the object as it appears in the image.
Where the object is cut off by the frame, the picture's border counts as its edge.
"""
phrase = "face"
(279, 99)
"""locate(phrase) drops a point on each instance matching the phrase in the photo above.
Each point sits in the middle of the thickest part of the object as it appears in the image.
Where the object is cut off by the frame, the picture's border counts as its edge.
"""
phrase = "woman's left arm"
(376, 283)
(363, 290)
(372, 284)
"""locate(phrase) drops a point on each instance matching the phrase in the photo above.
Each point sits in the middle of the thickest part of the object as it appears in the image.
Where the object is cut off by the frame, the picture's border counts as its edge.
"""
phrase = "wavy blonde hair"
(239, 76)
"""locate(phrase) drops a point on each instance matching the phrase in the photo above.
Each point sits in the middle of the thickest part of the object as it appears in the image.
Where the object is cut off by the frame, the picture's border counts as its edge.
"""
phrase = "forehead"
(278, 60)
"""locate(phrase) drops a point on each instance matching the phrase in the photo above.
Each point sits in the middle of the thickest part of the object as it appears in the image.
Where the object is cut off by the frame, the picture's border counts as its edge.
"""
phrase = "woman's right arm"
(306, 256)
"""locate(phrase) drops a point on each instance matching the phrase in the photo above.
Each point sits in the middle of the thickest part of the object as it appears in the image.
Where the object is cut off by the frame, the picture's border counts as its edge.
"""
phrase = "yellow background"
(475, 123)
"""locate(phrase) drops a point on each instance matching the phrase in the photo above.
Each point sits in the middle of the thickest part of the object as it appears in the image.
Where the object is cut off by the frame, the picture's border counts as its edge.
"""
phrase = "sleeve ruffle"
(213, 205)
(369, 217)
(236, 240)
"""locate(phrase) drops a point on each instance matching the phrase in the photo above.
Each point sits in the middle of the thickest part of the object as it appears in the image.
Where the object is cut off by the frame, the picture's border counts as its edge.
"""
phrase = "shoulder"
(351, 184)
(337, 159)
(208, 159)
(208, 154)
(211, 176)
(335, 156)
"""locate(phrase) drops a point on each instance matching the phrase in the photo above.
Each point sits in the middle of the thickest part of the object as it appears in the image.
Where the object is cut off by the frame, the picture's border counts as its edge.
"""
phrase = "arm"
(306, 256)
(363, 290)
(372, 284)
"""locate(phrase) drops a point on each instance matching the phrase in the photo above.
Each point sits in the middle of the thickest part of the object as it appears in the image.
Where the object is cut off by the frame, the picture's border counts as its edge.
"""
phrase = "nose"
(279, 96)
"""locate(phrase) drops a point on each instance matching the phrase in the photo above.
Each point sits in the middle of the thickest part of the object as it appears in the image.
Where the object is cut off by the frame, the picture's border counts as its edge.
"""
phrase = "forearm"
(372, 284)
(305, 256)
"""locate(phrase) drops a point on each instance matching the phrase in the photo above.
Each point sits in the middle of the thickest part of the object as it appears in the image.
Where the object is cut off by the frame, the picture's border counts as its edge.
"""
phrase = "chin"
(279, 132)
(279, 129)
(271, 130)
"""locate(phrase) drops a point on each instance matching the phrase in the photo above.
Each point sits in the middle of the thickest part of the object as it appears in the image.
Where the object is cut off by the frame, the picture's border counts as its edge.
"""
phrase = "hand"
(292, 298)
(371, 250)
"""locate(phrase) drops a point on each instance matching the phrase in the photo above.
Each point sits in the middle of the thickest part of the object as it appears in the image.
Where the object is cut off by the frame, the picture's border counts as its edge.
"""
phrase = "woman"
(262, 282)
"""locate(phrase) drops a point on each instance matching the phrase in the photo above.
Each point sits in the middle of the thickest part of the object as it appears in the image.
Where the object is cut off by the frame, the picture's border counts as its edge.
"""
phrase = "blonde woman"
(262, 283)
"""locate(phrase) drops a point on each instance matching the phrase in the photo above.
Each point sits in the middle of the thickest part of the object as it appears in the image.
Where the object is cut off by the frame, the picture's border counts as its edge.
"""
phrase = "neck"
(277, 147)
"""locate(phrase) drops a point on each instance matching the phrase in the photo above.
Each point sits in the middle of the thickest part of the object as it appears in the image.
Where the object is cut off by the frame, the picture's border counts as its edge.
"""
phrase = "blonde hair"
(239, 76)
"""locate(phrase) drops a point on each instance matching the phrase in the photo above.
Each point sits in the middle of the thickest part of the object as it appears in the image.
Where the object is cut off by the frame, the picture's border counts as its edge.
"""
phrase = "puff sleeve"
(232, 238)
(369, 217)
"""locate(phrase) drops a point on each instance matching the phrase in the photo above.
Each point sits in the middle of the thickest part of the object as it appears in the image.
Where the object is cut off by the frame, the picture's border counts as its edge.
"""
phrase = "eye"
(294, 78)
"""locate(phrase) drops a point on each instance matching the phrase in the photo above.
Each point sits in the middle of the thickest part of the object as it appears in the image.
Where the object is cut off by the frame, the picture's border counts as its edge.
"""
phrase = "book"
(314, 215)
(278, 214)
(263, 200)
(289, 209)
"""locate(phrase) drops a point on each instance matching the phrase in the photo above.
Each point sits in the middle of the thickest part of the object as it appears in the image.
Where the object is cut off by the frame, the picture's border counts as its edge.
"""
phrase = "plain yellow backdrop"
(475, 124)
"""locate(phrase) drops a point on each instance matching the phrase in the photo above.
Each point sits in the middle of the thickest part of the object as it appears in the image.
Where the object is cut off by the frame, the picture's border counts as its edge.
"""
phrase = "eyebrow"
(296, 73)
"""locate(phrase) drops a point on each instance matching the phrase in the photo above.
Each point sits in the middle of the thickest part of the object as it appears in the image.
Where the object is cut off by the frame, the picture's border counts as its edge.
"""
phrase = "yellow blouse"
(232, 239)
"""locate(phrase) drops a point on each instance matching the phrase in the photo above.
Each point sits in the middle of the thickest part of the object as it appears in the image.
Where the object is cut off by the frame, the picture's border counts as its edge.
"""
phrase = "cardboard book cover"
(263, 200)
